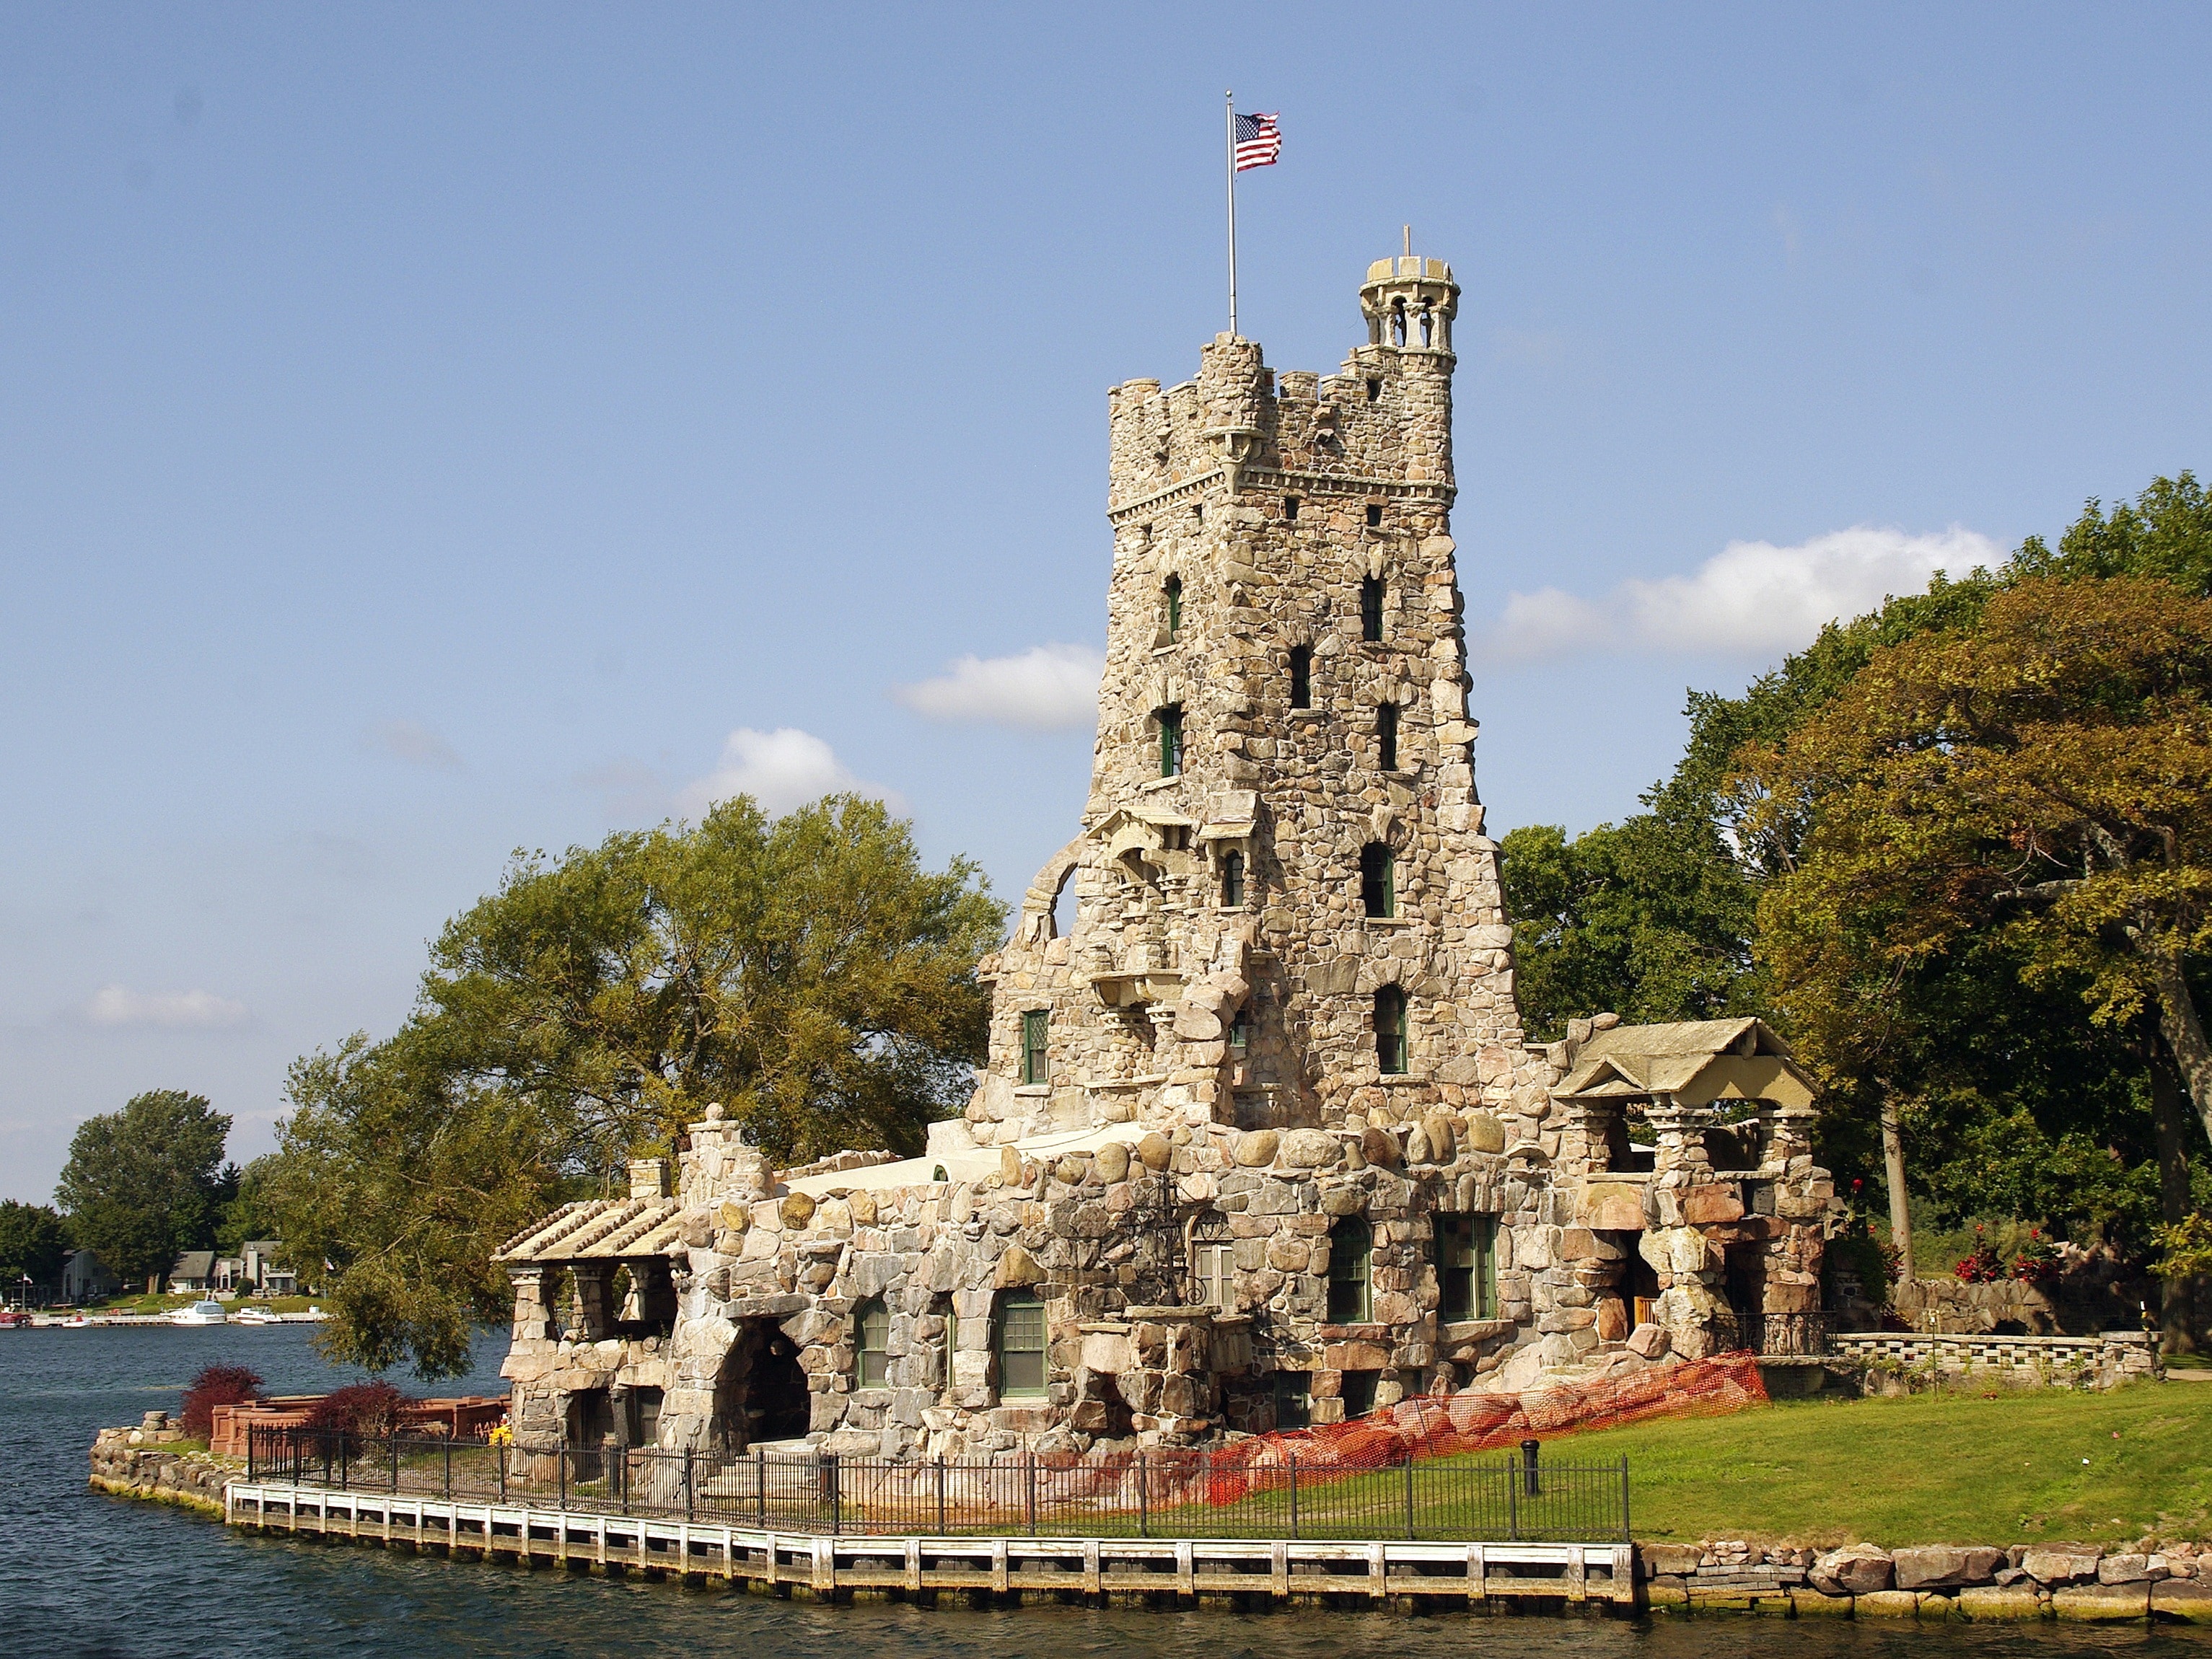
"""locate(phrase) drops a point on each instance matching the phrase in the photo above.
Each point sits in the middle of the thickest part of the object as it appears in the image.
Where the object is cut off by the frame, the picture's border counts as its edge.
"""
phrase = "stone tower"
(1281, 910)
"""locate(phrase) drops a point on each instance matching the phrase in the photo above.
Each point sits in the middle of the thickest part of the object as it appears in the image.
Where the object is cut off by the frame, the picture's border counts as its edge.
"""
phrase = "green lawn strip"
(1946, 1468)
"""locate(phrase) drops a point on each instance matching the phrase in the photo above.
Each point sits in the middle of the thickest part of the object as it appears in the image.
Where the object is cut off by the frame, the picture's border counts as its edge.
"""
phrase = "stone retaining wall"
(1979, 1583)
(2099, 1361)
(147, 1462)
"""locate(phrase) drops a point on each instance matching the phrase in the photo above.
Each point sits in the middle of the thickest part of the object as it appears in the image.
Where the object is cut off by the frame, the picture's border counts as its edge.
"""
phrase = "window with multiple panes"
(1021, 1345)
(873, 1334)
(1214, 1263)
(1232, 879)
(1390, 1029)
(1302, 677)
(1466, 1248)
(1293, 1400)
(1170, 719)
(1386, 736)
(1351, 1261)
(1378, 879)
(1037, 1053)
(1173, 594)
(1370, 608)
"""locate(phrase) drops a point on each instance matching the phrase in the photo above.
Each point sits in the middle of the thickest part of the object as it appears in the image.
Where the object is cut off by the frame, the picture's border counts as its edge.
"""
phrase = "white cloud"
(780, 769)
(417, 744)
(119, 1005)
(1047, 688)
(1751, 599)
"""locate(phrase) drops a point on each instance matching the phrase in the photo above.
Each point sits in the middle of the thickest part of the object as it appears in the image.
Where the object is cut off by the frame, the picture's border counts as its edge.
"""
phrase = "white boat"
(206, 1312)
(256, 1317)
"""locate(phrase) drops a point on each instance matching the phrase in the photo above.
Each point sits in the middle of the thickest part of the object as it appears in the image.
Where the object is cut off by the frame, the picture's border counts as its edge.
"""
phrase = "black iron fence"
(1153, 1494)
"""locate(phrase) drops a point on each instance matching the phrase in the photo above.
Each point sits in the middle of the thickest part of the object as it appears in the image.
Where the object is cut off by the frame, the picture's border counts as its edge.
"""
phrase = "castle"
(1259, 1143)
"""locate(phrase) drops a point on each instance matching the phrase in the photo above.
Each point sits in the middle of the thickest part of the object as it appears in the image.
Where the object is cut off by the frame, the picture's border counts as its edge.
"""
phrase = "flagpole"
(1231, 158)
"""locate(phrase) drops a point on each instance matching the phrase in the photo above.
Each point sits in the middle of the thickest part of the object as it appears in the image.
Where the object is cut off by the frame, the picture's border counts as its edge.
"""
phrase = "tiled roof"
(597, 1230)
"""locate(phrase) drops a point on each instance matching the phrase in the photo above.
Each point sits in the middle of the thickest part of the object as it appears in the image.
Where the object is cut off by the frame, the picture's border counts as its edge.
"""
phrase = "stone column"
(594, 1282)
(534, 1321)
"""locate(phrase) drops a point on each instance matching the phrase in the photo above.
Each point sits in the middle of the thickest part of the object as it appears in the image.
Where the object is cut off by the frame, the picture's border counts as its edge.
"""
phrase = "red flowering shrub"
(2037, 1259)
(365, 1409)
(215, 1385)
(1983, 1267)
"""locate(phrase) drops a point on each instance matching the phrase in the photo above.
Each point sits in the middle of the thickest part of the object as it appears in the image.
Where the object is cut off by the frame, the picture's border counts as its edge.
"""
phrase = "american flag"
(1258, 144)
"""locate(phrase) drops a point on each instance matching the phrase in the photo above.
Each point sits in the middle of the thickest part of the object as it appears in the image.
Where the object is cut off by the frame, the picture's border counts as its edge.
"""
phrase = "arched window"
(1390, 1029)
(1351, 1261)
(872, 1330)
(1171, 722)
(1172, 595)
(1378, 879)
(1302, 677)
(1232, 880)
(1386, 736)
(1371, 595)
(1021, 1346)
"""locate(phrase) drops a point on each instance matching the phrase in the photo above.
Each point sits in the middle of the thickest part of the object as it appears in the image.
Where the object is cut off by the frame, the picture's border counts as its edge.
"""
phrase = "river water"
(85, 1574)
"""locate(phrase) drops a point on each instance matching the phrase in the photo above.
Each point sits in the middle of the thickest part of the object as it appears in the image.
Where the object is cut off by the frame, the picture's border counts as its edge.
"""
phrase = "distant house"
(85, 1279)
(259, 1258)
(229, 1272)
(194, 1272)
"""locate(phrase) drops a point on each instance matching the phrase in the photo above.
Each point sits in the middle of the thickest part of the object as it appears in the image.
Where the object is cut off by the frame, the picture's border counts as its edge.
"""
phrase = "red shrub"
(217, 1385)
(369, 1409)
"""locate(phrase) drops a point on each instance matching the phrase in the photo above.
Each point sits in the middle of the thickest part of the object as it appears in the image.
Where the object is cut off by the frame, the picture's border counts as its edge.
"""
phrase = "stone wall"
(149, 1462)
(2099, 1362)
(1980, 1583)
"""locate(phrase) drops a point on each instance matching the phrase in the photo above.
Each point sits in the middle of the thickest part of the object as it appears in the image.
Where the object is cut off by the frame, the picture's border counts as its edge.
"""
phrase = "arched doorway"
(762, 1394)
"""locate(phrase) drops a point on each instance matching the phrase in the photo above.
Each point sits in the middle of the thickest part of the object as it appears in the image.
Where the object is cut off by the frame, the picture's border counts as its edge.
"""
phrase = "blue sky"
(429, 432)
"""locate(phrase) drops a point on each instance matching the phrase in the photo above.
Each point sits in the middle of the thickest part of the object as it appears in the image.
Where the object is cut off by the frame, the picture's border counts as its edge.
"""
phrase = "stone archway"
(761, 1393)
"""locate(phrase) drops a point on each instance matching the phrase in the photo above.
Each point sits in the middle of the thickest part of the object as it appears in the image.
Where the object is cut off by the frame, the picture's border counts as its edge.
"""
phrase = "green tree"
(146, 1183)
(32, 1244)
(807, 972)
(248, 1212)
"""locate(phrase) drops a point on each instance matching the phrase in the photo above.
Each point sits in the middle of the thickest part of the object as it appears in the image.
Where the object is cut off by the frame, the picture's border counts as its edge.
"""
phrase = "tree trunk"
(2177, 1295)
(2184, 1034)
(1892, 1167)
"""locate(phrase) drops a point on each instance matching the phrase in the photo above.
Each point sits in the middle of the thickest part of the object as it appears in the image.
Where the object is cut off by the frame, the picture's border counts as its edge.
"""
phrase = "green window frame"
(1232, 881)
(1037, 1050)
(1465, 1246)
(1240, 1033)
(1386, 735)
(1370, 609)
(1021, 1334)
(1170, 719)
(1390, 1029)
(1378, 879)
(1350, 1272)
(872, 1345)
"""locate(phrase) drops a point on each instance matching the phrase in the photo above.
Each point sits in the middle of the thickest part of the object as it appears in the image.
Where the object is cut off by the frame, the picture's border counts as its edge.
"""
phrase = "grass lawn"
(1951, 1467)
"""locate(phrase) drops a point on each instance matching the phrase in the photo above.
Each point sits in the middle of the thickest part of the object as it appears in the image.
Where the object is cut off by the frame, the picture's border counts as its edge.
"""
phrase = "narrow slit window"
(1170, 719)
(1350, 1260)
(1302, 677)
(1374, 515)
(1172, 593)
(874, 1344)
(1021, 1346)
(1386, 736)
(1370, 609)
(1390, 1030)
(1232, 880)
(1378, 879)
(1037, 1052)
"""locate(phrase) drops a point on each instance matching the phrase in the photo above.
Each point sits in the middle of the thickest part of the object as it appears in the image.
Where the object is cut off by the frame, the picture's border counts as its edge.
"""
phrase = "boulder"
(1379, 1146)
(1010, 1166)
(1612, 1319)
(1019, 1268)
(1443, 1144)
(1112, 1161)
(1989, 1604)
(1702, 1205)
(1071, 1169)
(2061, 1564)
(2187, 1600)
(2102, 1604)
(1154, 1152)
(1945, 1567)
(1854, 1570)
(1257, 1150)
(1649, 1341)
(797, 1209)
(1484, 1133)
(1668, 1559)
(2128, 1568)
(1612, 1206)
(1308, 1149)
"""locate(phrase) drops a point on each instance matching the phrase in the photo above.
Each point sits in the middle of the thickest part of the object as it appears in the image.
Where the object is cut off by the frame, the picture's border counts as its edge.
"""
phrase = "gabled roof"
(193, 1264)
(1697, 1061)
(597, 1230)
